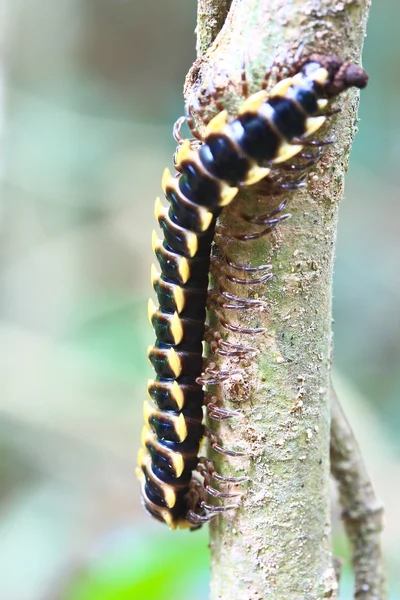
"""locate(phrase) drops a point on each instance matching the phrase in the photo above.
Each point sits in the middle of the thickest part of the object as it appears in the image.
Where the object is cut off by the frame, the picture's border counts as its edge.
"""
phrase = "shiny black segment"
(186, 217)
(152, 492)
(194, 300)
(163, 426)
(161, 394)
(287, 117)
(191, 363)
(176, 239)
(219, 157)
(306, 98)
(197, 187)
(170, 266)
(256, 136)
(165, 477)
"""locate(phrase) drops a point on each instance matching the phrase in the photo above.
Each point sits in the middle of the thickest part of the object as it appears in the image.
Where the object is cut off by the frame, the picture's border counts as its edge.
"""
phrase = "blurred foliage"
(143, 568)
(91, 91)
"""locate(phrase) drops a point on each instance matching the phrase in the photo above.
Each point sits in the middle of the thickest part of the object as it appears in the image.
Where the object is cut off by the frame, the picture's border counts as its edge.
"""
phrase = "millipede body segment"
(235, 152)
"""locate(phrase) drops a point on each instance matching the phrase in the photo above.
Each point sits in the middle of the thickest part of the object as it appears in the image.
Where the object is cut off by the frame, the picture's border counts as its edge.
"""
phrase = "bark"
(277, 544)
(211, 15)
(362, 512)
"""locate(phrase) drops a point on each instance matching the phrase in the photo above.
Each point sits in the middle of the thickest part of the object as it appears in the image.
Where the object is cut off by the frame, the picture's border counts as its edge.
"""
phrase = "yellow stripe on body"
(286, 151)
(253, 103)
(313, 124)
(281, 88)
(176, 458)
(174, 362)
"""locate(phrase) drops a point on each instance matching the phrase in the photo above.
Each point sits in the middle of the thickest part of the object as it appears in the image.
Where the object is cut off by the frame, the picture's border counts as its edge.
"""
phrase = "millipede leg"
(239, 303)
(215, 95)
(209, 465)
(220, 346)
(214, 443)
(314, 143)
(213, 377)
(245, 268)
(221, 414)
(263, 219)
(195, 514)
(243, 80)
(331, 113)
(238, 329)
(190, 120)
(176, 130)
(272, 223)
(309, 155)
(268, 187)
(302, 166)
(202, 469)
(217, 509)
(250, 302)
(196, 519)
(255, 280)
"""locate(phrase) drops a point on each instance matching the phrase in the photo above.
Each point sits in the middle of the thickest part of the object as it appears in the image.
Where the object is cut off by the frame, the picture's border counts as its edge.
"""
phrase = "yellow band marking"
(183, 269)
(154, 274)
(174, 362)
(298, 79)
(313, 124)
(159, 210)
(217, 124)
(179, 298)
(169, 494)
(181, 428)
(166, 515)
(151, 310)
(176, 328)
(146, 436)
(255, 174)
(149, 351)
(228, 193)
(281, 88)
(142, 457)
(147, 412)
(178, 395)
(287, 151)
(166, 180)
(184, 153)
(321, 76)
(192, 243)
(175, 458)
(253, 103)
(150, 383)
(155, 242)
(168, 491)
(205, 218)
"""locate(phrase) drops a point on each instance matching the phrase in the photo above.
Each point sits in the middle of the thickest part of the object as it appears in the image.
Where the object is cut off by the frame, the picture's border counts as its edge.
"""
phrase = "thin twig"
(211, 15)
(362, 511)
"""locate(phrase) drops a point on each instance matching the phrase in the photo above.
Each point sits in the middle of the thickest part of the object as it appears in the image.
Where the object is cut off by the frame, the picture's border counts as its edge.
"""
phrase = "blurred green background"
(91, 89)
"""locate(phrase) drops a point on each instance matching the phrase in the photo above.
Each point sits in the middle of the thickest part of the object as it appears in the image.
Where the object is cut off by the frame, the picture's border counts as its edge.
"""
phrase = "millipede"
(269, 130)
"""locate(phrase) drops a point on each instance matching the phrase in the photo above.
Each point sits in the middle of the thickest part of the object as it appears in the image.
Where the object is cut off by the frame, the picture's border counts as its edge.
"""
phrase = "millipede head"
(341, 74)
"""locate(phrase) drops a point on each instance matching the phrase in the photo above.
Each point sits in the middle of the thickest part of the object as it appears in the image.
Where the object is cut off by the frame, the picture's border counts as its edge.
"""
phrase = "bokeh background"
(89, 91)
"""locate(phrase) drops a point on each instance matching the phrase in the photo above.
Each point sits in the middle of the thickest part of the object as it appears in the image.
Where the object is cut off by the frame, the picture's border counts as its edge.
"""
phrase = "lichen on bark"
(277, 544)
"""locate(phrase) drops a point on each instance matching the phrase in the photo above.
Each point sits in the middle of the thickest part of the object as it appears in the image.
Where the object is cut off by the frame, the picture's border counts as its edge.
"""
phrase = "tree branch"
(277, 544)
(211, 15)
(362, 511)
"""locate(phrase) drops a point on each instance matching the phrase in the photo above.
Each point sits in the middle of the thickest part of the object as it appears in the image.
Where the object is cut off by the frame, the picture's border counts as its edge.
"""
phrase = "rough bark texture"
(362, 511)
(211, 15)
(277, 544)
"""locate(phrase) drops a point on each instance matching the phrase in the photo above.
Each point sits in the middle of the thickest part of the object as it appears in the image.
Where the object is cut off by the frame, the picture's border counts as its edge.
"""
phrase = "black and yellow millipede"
(269, 130)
